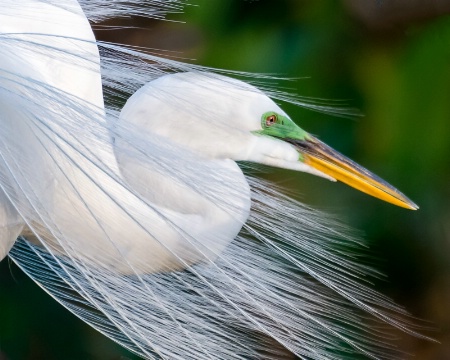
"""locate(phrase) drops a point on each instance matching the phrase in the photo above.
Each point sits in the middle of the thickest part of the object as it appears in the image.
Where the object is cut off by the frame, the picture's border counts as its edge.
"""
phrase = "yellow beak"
(328, 161)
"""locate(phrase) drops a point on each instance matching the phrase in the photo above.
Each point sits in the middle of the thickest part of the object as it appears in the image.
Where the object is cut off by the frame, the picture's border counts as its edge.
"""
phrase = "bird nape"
(140, 221)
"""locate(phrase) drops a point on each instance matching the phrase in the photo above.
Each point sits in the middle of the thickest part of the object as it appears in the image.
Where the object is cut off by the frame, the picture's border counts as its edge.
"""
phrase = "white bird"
(144, 225)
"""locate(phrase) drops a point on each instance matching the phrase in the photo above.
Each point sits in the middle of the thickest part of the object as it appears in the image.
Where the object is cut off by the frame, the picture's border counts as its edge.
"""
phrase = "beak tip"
(408, 204)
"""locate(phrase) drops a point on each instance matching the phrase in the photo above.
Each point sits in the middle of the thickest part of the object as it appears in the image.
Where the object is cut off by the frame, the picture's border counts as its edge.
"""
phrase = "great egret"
(132, 221)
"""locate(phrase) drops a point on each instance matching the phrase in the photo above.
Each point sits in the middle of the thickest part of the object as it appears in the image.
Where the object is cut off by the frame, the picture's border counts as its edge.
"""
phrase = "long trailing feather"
(290, 280)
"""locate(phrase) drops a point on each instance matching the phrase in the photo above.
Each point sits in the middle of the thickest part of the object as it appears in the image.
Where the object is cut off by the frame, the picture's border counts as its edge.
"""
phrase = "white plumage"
(143, 224)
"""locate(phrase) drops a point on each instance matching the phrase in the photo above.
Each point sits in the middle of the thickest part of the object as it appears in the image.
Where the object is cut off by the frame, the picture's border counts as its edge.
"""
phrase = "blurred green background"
(390, 60)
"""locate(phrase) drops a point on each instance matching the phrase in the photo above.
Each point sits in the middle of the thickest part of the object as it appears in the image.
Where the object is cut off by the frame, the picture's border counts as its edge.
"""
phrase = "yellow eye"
(270, 120)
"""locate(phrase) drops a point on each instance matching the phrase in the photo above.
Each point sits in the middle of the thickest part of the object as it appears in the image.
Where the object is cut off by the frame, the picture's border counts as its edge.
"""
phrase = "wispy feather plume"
(289, 282)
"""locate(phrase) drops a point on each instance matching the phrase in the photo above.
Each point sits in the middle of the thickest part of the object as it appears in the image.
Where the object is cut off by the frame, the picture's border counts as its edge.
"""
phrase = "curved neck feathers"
(59, 163)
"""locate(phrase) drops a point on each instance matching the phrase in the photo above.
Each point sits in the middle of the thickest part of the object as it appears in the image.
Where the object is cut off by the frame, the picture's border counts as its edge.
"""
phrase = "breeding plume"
(145, 221)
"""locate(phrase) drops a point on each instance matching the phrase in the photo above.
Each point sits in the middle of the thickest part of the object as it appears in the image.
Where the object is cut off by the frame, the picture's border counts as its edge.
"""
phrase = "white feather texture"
(154, 242)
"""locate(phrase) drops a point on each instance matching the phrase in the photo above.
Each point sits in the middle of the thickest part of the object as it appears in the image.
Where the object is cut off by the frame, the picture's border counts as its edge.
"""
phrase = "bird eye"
(270, 120)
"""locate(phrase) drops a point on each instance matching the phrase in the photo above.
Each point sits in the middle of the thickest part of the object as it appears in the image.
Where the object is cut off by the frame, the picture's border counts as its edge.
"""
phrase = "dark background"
(390, 60)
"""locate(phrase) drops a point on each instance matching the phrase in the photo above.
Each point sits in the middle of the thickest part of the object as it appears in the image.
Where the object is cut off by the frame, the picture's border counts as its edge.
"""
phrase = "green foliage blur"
(396, 73)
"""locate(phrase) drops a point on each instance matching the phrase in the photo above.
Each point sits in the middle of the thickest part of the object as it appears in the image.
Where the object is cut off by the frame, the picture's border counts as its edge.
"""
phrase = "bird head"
(218, 117)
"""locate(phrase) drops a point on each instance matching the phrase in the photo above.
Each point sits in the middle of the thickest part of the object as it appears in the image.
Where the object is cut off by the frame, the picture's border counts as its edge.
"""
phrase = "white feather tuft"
(288, 281)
